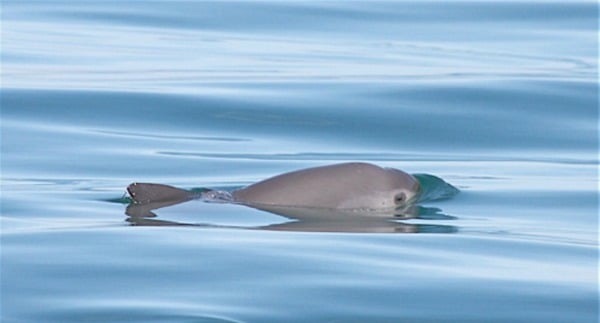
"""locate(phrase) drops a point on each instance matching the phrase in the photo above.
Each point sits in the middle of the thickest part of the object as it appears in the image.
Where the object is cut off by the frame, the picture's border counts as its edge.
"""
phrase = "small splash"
(216, 196)
(434, 188)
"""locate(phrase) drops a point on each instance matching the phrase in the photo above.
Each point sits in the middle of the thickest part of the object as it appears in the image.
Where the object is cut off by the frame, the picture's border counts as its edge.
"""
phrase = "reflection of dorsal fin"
(142, 193)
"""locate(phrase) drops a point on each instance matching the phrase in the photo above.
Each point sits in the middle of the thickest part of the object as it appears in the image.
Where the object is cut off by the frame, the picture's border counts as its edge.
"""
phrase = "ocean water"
(498, 98)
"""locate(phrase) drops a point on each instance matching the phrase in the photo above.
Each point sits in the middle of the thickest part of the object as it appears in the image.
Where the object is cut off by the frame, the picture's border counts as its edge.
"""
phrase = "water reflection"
(309, 219)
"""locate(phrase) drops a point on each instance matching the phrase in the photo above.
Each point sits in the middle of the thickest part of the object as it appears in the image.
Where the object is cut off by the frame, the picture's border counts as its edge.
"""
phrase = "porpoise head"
(347, 186)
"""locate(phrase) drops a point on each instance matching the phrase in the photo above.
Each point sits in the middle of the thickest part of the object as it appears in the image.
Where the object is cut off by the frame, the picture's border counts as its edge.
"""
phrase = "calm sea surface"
(499, 99)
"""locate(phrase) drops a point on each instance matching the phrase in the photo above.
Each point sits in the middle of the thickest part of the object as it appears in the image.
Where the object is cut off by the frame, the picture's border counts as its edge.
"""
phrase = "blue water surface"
(498, 98)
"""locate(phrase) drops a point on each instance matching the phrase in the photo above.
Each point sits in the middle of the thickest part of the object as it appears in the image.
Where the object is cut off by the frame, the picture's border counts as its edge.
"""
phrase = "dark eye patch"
(400, 198)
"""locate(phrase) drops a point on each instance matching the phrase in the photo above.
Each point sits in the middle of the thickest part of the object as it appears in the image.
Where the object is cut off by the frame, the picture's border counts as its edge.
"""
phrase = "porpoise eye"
(400, 198)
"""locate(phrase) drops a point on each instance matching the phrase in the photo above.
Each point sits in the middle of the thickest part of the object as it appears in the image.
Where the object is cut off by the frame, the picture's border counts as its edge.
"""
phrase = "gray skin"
(350, 197)
(326, 192)
(348, 186)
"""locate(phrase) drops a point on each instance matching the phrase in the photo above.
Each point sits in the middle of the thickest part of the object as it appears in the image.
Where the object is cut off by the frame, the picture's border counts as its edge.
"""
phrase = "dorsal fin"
(142, 193)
